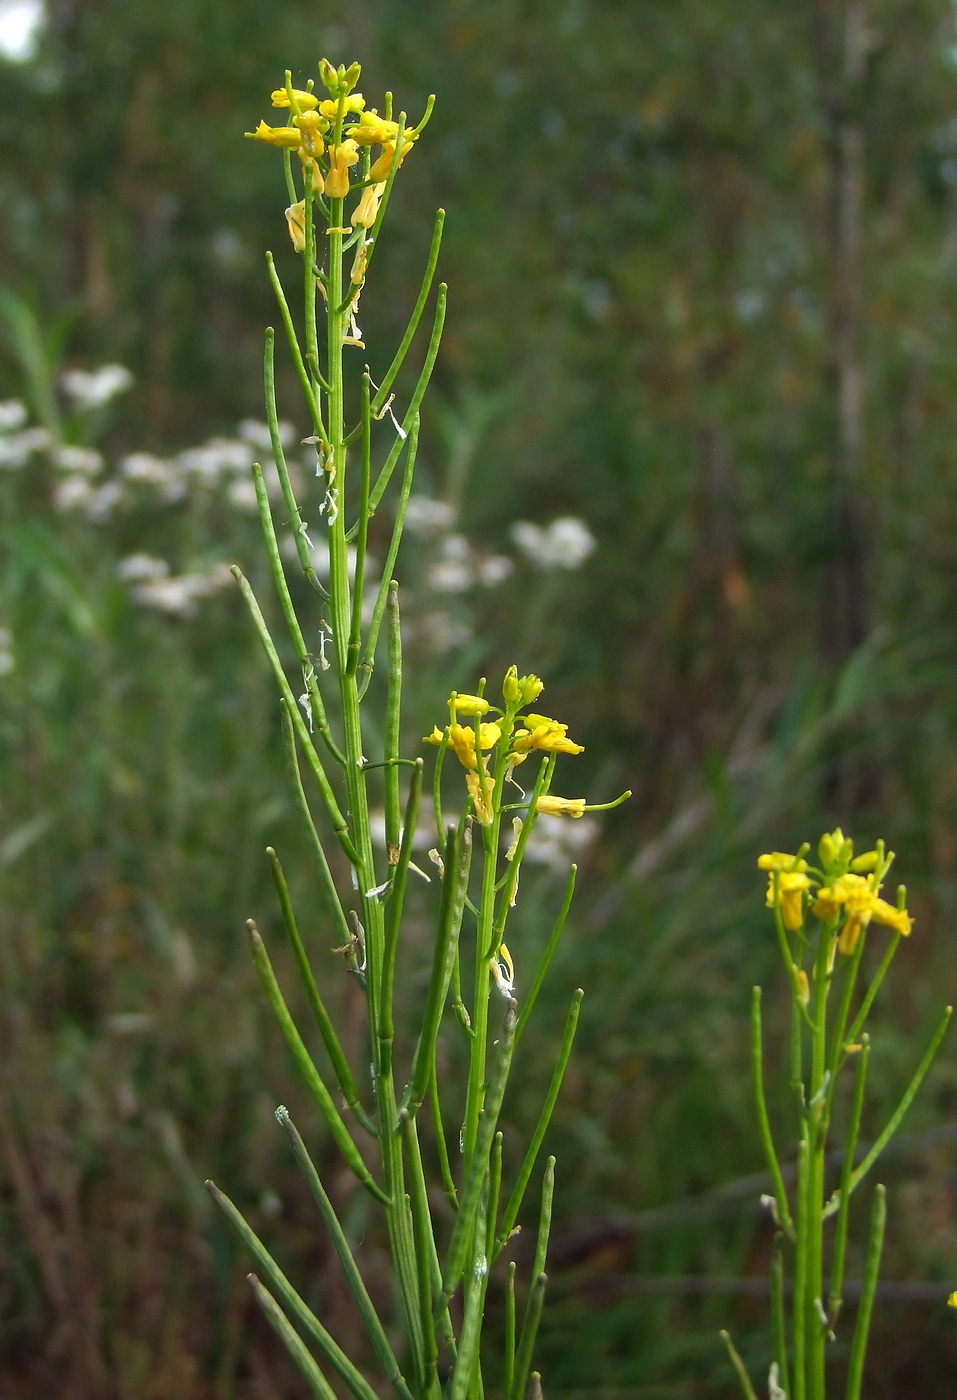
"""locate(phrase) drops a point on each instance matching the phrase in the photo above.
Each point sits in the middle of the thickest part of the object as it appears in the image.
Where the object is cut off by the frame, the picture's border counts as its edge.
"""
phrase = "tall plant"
(341, 161)
(823, 915)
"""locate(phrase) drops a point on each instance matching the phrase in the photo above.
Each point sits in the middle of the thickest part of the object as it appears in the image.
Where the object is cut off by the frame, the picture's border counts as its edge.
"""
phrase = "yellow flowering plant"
(822, 916)
(389, 1123)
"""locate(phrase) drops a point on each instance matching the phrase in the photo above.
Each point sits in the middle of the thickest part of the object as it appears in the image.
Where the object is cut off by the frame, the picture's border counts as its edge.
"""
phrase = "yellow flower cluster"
(329, 135)
(845, 888)
(520, 734)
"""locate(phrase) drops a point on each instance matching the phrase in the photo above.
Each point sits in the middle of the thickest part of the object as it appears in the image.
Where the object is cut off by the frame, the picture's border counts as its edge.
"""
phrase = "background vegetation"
(703, 265)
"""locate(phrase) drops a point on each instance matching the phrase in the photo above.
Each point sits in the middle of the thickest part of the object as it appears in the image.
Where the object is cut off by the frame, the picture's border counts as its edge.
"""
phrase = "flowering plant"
(440, 1260)
(822, 916)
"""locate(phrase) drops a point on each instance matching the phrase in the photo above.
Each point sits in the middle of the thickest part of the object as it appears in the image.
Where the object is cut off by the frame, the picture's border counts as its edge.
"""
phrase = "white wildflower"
(69, 458)
(178, 594)
(137, 568)
(17, 448)
(241, 493)
(426, 516)
(257, 434)
(453, 571)
(557, 844)
(90, 389)
(165, 476)
(494, 569)
(218, 457)
(13, 415)
(564, 544)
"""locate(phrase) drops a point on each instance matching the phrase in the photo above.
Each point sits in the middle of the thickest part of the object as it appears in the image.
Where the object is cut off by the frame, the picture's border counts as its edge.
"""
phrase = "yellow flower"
(546, 734)
(899, 919)
(561, 806)
(310, 127)
(791, 886)
(373, 130)
(780, 860)
(483, 809)
(341, 157)
(435, 737)
(952, 1300)
(381, 167)
(368, 206)
(305, 101)
(296, 219)
(330, 106)
(462, 738)
(286, 136)
(860, 899)
(803, 986)
(471, 704)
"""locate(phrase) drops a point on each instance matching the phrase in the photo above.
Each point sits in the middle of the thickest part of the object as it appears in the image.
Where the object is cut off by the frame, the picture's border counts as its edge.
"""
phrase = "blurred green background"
(703, 264)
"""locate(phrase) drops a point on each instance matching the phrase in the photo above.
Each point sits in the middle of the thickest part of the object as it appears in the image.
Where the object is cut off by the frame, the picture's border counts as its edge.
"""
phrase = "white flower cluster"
(556, 844)
(154, 586)
(83, 484)
(17, 442)
(91, 389)
(564, 544)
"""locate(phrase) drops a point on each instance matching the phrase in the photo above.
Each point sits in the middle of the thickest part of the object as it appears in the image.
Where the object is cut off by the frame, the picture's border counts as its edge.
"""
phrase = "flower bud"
(471, 705)
(531, 688)
(561, 806)
(862, 864)
(328, 77)
(510, 687)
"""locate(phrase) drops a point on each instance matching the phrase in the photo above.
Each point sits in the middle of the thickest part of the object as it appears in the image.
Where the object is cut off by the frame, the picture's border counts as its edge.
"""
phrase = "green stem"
(291, 1299)
(798, 1306)
(330, 893)
(739, 1367)
(442, 1147)
(339, 825)
(777, 1313)
(458, 850)
(300, 364)
(412, 412)
(326, 1029)
(279, 457)
(291, 1340)
(908, 1097)
(362, 535)
(378, 612)
(374, 1328)
(399, 359)
(872, 990)
(316, 705)
(855, 1370)
(393, 718)
(550, 952)
(835, 1299)
(424, 1251)
(478, 1163)
(508, 1383)
(764, 1125)
(307, 1068)
(541, 1127)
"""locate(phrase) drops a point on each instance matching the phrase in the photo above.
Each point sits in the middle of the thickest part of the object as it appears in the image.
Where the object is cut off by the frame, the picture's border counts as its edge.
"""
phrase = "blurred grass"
(643, 331)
